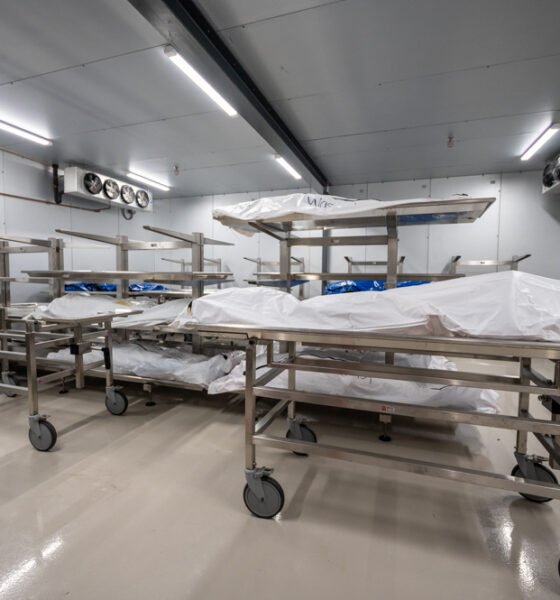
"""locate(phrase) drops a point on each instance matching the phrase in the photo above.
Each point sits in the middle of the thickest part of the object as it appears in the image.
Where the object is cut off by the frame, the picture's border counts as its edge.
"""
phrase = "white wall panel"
(244, 246)
(413, 241)
(472, 241)
(530, 223)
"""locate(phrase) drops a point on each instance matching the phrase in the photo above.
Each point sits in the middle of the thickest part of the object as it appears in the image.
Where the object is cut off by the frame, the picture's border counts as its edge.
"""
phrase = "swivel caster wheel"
(45, 439)
(116, 402)
(543, 474)
(270, 505)
(307, 435)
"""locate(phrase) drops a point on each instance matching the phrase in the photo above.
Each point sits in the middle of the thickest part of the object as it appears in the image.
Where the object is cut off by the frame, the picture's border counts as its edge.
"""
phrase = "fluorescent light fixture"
(541, 140)
(32, 137)
(148, 182)
(288, 167)
(197, 78)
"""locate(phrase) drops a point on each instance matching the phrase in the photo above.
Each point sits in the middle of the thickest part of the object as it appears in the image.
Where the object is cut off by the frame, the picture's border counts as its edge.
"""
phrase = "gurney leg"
(262, 495)
(149, 389)
(523, 406)
(385, 421)
(298, 430)
(42, 434)
(528, 467)
(296, 427)
(250, 401)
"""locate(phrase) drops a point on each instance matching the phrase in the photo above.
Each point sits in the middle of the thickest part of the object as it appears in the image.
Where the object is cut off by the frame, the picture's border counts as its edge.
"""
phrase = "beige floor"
(148, 506)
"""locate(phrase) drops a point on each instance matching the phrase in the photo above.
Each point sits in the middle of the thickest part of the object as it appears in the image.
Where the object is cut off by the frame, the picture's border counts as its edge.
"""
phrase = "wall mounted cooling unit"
(103, 189)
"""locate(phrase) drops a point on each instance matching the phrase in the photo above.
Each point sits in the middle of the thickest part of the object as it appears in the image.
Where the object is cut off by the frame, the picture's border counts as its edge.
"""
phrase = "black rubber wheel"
(543, 474)
(308, 436)
(273, 499)
(118, 404)
(46, 438)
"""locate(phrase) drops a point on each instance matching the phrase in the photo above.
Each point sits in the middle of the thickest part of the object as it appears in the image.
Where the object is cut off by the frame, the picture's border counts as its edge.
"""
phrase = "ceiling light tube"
(148, 182)
(23, 133)
(282, 161)
(541, 140)
(197, 78)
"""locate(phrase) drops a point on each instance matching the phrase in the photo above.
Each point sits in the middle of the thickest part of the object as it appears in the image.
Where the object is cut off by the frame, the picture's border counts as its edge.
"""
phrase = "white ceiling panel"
(241, 12)
(515, 89)
(261, 175)
(356, 79)
(137, 88)
(371, 88)
(344, 45)
(38, 36)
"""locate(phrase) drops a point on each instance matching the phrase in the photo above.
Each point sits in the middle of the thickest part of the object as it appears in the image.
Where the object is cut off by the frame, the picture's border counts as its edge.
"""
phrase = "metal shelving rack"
(260, 275)
(432, 212)
(28, 347)
(196, 278)
(371, 263)
(184, 264)
(53, 247)
(457, 262)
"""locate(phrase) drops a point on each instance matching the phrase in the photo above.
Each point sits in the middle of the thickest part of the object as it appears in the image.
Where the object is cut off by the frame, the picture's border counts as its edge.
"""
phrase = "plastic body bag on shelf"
(383, 390)
(154, 361)
(372, 285)
(508, 305)
(314, 206)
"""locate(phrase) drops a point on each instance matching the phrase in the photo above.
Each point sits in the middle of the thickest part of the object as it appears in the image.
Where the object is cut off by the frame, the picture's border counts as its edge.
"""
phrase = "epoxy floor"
(148, 506)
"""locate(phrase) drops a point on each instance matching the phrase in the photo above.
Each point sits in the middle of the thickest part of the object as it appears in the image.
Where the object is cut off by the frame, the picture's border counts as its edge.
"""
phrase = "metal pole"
(79, 357)
(285, 264)
(198, 264)
(392, 251)
(250, 401)
(56, 263)
(523, 404)
(31, 360)
(291, 378)
(122, 265)
(5, 272)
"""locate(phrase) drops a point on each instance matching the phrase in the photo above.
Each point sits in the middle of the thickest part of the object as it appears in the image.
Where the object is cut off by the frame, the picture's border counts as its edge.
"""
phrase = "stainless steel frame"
(371, 263)
(527, 384)
(457, 262)
(197, 277)
(53, 247)
(464, 210)
(262, 276)
(29, 346)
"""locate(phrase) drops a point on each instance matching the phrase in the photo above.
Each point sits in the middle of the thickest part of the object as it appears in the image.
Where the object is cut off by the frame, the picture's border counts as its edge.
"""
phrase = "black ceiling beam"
(188, 30)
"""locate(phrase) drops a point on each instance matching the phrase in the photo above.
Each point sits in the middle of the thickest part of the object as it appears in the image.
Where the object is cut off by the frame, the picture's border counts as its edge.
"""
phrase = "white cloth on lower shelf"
(154, 361)
(371, 388)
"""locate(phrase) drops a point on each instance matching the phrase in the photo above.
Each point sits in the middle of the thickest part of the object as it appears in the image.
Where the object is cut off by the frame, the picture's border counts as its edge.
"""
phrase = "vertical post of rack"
(5, 272)
(5, 342)
(197, 257)
(392, 251)
(285, 264)
(122, 265)
(197, 287)
(56, 263)
(218, 263)
(555, 417)
(392, 265)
